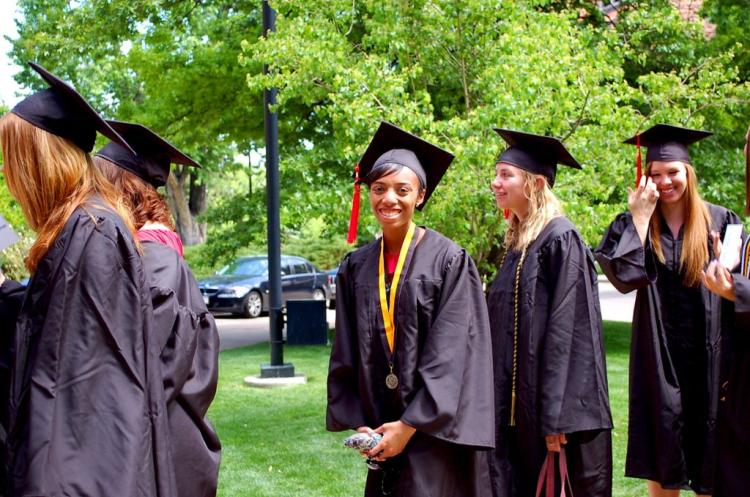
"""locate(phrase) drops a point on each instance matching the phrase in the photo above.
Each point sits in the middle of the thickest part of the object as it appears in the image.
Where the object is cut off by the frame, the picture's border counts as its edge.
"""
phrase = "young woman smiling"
(659, 248)
(411, 358)
(550, 374)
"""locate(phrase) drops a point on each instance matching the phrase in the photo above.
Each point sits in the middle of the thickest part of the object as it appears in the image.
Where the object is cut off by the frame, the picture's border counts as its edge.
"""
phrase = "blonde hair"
(50, 177)
(543, 206)
(141, 198)
(694, 254)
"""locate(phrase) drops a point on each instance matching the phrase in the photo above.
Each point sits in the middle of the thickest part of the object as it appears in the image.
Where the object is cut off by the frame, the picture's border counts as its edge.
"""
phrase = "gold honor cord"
(389, 311)
(745, 263)
(516, 299)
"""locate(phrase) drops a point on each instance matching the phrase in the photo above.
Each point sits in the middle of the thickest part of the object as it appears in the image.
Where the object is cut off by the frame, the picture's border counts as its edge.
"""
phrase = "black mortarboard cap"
(7, 236)
(391, 144)
(154, 153)
(667, 143)
(537, 154)
(62, 111)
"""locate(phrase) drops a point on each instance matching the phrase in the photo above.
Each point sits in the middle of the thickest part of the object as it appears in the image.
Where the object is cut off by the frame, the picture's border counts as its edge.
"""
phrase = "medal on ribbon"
(388, 305)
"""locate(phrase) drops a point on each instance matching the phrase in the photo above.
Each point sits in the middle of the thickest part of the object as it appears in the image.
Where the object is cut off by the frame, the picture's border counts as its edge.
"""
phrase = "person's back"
(189, 345)
(188, 341)
(87, 413)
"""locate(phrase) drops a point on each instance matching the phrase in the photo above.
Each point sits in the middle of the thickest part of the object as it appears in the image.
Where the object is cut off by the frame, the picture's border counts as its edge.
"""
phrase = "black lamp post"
(277, 368)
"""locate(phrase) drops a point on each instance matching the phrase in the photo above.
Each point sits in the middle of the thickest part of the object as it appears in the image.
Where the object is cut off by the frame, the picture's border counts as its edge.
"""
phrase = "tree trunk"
(191, 231)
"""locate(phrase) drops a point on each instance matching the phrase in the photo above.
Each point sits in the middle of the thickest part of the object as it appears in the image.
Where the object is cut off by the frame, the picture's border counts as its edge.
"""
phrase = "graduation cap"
(665, 143)
(7, 236)
(62, 111)
(154, 153)
(393, 145)
(537, 154)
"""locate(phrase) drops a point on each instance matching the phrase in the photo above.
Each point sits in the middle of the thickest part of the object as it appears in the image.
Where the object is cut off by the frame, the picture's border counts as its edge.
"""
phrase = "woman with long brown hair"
(86, 399)
(185, 330)
(549, 362)
(659, 248)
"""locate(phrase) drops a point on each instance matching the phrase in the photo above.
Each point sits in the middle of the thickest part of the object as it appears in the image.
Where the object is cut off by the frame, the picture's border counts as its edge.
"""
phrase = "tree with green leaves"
(169, 65)
(447, 70)
(452, 70)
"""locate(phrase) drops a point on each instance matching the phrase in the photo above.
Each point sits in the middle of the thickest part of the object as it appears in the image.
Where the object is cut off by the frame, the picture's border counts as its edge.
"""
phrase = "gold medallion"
(391, 381)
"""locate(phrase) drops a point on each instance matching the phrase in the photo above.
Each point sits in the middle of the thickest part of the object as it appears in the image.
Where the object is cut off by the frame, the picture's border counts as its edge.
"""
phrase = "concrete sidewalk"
(615, 306)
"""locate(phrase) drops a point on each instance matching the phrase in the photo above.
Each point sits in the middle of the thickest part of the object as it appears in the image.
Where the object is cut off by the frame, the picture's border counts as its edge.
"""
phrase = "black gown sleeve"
(344, 401)
(189, 344)
(456, 401)
(190, 351)
(623, 258)
(186, 331)
(11, 297)
(573, 383)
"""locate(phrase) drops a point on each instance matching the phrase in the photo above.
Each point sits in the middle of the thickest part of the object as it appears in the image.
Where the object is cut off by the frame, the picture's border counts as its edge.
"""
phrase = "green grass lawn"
(275, 443)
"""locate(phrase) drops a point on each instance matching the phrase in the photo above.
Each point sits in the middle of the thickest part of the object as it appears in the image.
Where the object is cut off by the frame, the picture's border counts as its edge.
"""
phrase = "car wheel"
(318, 294)
(253, 305)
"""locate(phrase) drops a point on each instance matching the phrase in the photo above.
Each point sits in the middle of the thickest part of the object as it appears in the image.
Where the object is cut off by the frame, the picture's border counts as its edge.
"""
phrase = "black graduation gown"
(87, 409)
(561, 371)
(675, 356)
(189, 344)
(11, 297)
(733, 426)
(443, 361)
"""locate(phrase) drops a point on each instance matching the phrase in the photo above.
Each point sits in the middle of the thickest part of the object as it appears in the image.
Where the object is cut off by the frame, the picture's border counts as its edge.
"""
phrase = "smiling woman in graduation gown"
(87, 410)
(550, 374)
(185, 330)
(432, 377)
(677, 323)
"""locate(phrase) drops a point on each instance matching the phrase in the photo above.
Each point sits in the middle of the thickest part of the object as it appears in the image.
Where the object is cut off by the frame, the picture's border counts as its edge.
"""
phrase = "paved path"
(615, 306)
(239, 332)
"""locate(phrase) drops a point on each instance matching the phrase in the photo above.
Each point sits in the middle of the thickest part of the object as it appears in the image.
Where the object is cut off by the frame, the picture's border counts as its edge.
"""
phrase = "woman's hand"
(641, 204)
(555, 441)
(395, 437)
(719, 280)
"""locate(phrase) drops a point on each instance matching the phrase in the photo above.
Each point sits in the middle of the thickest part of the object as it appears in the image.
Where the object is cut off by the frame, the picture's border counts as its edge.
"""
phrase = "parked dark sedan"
(242, 286)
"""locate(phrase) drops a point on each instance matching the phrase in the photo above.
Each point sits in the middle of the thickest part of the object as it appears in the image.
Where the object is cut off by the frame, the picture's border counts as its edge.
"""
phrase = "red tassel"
(638, 172)
(506, 214)
(354, 218)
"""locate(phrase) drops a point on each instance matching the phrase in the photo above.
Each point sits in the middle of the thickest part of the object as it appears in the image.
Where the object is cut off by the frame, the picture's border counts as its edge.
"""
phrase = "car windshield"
(245, 267)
